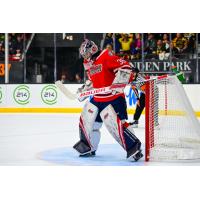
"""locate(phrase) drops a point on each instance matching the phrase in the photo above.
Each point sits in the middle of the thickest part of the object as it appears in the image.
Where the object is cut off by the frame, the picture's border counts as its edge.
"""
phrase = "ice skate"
(90, 154)
(138, 155)
(134, 124)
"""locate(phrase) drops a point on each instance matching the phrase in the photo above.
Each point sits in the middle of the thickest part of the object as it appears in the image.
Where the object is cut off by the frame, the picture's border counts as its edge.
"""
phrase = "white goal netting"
(172, 129)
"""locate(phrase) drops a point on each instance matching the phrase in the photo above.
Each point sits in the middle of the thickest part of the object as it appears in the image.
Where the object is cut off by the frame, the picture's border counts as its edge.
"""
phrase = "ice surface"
(47, 139)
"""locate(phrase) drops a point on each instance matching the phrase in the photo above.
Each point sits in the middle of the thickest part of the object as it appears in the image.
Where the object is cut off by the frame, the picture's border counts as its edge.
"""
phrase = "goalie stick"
(65, 91)
(94, 91)
(88, 93)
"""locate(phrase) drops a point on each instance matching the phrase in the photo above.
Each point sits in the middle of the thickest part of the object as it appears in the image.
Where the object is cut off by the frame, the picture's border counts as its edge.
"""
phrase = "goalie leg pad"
(88, 116)
(113, 124)
(88, 129)
(95, 135)
(133, 143)
(123, 134)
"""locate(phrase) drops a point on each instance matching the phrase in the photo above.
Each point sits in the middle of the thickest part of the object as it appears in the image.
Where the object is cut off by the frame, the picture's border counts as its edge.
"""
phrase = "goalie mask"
(87, 49)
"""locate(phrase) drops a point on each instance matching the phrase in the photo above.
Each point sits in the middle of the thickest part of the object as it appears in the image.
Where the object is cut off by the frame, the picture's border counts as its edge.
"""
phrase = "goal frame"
(149, 138)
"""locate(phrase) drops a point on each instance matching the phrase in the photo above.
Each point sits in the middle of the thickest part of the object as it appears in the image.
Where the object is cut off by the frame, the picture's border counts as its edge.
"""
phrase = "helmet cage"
(87, 49)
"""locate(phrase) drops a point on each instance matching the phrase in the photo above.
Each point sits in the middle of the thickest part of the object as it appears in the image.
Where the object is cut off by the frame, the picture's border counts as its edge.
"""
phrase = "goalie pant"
(113, 114)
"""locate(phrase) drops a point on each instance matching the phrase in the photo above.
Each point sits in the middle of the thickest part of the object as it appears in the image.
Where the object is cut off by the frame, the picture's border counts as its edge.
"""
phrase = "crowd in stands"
(130, 46)
(155, 45)
(16, 45)
(66, 79)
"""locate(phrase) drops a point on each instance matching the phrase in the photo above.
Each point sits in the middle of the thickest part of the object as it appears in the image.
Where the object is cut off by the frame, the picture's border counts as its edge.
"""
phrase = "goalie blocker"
(94, 113)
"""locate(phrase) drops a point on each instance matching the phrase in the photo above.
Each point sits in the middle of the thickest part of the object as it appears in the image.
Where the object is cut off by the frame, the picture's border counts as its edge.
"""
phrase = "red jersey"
(102, 72)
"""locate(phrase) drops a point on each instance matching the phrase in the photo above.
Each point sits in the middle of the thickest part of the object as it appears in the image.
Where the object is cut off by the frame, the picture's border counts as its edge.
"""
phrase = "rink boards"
(46, 98)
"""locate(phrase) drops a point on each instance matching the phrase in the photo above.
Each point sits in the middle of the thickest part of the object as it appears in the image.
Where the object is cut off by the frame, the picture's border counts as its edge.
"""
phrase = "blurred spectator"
(1, 52)
(165, 41)
(137, 45)
(117, 43)
(174, 50)
(109, 47)
(25, 37)
(158, 36)
(13, 37)
(191, 37)
(11, 44)
(188, 35)
(180, 43)
(18, 45)
(150, 45)
(15, 43)
(78, 78)
(64, 78)
(160, 51)
(108, 39)
(125, 42)
(2, 38)
(138, 42)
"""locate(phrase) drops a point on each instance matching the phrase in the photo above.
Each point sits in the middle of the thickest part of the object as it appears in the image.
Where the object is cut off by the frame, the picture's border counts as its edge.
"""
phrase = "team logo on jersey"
(121, 61)
(95, 69)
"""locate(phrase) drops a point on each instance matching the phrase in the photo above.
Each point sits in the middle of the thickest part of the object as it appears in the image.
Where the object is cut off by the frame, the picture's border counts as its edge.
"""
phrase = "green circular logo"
(49, 94)
(21, 94)
(1, 95)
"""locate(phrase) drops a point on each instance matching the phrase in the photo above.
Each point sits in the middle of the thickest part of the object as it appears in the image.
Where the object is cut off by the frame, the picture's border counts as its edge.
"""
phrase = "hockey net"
(172, 129)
